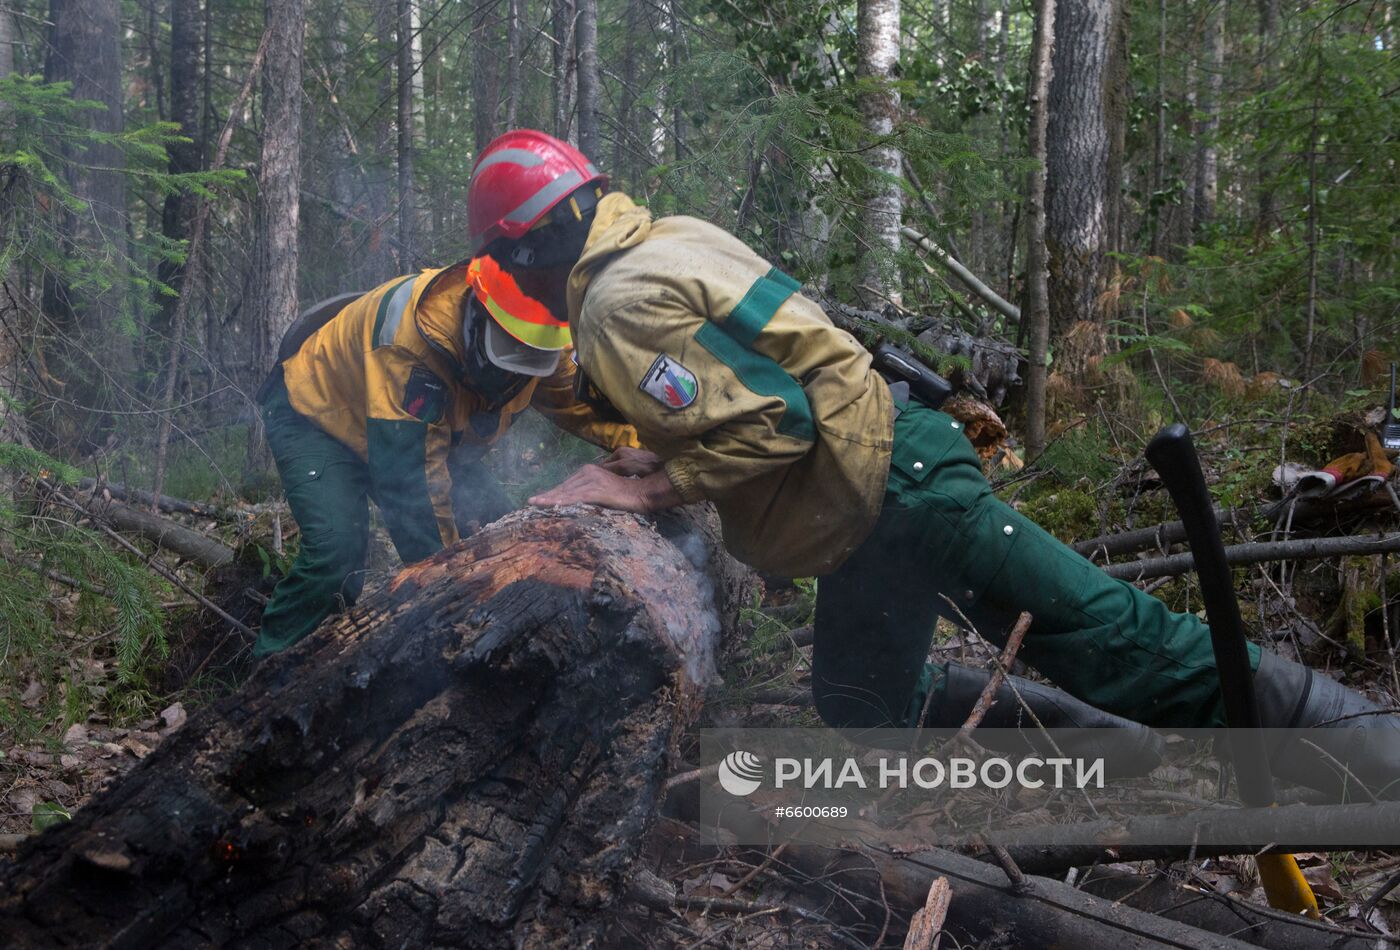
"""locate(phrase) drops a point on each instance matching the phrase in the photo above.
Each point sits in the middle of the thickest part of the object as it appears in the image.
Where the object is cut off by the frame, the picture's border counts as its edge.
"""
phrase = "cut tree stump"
(470, 757)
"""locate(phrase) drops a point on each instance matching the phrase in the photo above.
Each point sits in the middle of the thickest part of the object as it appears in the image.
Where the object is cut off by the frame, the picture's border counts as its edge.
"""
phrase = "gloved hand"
(1355, 473)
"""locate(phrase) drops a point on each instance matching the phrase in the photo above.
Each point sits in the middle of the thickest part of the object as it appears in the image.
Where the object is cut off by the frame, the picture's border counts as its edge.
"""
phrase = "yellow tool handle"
(1285, 886)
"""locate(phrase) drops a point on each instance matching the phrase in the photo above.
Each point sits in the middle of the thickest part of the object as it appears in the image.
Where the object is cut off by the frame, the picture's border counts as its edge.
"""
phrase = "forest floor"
(71, 738)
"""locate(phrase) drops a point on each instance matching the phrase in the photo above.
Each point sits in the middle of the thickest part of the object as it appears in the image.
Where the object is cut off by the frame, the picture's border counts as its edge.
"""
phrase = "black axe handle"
(1173, 455)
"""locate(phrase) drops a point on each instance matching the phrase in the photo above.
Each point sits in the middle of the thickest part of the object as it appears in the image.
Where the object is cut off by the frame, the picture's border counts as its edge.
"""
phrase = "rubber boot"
(1356, 735)
(1129, 748)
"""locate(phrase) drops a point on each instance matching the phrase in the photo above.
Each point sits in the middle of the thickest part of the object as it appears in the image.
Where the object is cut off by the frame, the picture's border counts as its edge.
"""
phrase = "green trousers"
(327, 488)
(944, 539)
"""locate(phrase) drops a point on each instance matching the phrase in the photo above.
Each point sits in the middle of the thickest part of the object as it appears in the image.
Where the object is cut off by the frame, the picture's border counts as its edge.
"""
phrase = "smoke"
(700, 665)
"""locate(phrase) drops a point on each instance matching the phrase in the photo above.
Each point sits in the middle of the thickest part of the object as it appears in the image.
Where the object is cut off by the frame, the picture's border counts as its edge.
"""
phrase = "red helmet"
(518, 178)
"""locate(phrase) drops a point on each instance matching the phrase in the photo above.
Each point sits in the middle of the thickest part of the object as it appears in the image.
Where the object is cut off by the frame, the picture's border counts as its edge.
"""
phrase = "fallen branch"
(153, 563)
(1158, 536)
(1048, 849)
(1201, 906)
(973, 283)
(160, 531)
(164, 502)
(1258, 552)
(1290, 827)
(982, 909)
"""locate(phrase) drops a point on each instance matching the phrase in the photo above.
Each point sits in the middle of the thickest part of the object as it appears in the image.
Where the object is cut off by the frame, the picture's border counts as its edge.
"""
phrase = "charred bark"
(471, 757)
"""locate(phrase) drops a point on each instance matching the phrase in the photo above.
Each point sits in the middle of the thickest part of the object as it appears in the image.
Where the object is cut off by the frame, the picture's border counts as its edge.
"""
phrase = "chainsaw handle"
(1172, 453)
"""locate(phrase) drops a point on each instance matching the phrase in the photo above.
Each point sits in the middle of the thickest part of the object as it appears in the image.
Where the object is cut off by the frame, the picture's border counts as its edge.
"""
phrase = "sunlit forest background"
(179, 177)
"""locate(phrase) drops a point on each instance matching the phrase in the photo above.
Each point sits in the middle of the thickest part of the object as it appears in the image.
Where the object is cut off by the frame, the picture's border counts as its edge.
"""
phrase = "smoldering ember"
(424, 423)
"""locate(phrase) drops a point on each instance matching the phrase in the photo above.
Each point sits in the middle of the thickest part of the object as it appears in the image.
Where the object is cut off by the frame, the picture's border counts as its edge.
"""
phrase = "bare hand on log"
(595, 485)
(627, 461)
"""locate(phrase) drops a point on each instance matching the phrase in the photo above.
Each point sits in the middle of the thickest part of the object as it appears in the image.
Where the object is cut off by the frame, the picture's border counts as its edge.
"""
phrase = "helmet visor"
(510, 354)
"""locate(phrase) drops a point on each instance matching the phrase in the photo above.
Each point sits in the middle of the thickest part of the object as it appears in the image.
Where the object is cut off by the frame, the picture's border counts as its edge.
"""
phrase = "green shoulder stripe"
(390, 311)
(763, 298)
(763, 376)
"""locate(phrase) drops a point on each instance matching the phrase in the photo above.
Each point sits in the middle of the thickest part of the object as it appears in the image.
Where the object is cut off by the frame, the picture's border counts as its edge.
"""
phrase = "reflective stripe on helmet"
(524, 318)
(513, 156)
(544, 199)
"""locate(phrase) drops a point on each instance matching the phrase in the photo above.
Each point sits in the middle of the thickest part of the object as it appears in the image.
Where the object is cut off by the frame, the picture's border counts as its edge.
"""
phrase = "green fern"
(117, 606)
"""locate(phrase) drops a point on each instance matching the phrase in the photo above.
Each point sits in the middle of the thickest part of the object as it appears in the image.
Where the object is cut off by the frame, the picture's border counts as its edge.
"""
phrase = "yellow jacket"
(384, 377)
(754, 399)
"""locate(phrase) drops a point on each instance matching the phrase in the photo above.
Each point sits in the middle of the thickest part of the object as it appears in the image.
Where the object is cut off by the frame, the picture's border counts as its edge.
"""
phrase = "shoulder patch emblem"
(670, 383)
(425, 396)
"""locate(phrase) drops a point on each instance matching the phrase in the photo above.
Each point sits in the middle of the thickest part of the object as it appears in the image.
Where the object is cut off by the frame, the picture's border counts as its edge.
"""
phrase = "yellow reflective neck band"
(540, 336)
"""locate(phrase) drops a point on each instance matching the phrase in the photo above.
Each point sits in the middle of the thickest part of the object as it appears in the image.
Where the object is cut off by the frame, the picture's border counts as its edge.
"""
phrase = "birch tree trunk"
(514, 38)
(878, 34)
(1037, 313)
(675, 57)
(279, 179)
(407, 124)
(588, 140)
(1268, 70)
(816, 222)
(1207, 162)
(1077, 184)
(565, 77)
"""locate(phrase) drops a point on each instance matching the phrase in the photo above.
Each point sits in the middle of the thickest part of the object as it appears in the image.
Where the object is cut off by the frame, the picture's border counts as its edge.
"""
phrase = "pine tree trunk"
(9, 37)
(471, 757)
(1078, 145)
(486, 74)
(878, 35)
(279, 181)
(407, 124)
(1159, 136)
(627, 141)
(186, 34)
(1037, 312)
(12, 427)
(85, 50)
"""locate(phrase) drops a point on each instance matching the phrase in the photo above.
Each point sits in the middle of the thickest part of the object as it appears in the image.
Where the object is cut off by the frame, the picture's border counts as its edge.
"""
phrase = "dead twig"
(1258, 552)
(926, 926)
(999, 671)
(758, 869)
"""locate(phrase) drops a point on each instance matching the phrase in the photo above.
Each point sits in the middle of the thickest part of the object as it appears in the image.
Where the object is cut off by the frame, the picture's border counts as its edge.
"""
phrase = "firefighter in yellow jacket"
(371, 400)
(747, 396)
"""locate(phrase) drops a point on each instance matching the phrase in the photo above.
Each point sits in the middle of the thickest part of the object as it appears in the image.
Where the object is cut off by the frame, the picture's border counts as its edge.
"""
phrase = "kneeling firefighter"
(746, 395)
(396, 394)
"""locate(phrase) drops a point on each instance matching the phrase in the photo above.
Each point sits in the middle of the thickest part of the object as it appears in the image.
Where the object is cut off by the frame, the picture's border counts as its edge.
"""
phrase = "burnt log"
(472, 756)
